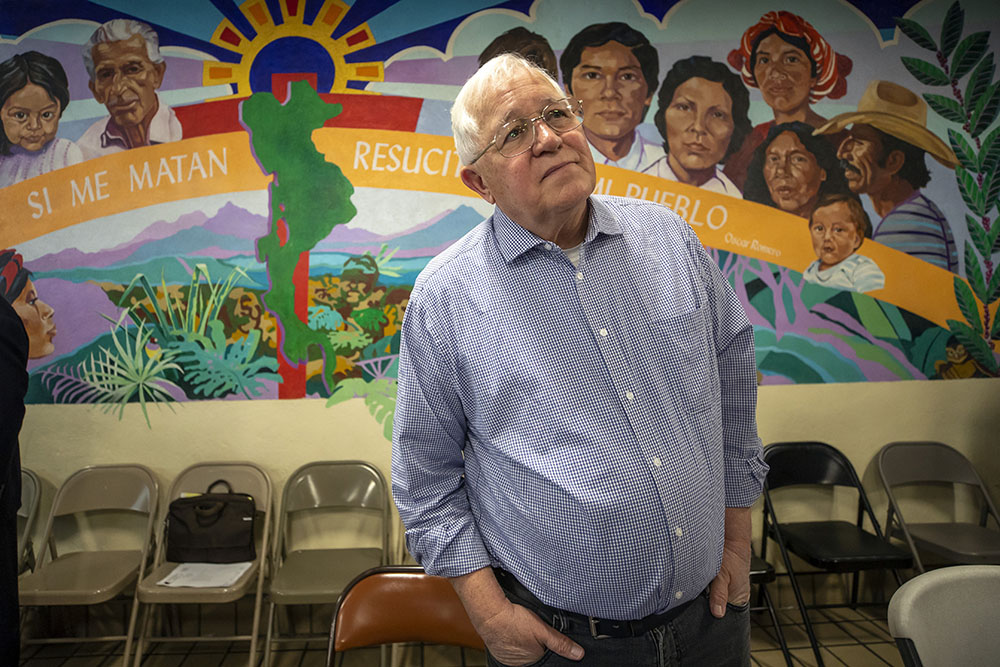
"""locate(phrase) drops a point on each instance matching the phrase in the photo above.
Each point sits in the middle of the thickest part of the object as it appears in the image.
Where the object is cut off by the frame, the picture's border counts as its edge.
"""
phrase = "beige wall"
(858, 418)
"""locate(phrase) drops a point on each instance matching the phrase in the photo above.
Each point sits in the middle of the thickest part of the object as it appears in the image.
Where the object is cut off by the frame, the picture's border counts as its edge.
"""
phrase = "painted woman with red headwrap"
(17, 288)
(793, 66)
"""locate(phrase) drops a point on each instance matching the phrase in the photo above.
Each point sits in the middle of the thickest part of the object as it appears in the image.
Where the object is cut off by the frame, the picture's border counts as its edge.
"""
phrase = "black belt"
(573, 623)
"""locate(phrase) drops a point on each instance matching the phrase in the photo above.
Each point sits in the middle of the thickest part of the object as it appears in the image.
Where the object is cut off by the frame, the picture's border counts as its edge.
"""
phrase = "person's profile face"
(615, 95)
(783, 74)
(792, 174)
(834, 233)
(126, 80)
(36, 315)
(859, 154)
(699, 122)
(30, 117)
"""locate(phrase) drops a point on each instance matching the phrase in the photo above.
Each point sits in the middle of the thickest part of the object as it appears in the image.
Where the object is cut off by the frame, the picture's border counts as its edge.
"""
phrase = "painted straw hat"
(897, 111)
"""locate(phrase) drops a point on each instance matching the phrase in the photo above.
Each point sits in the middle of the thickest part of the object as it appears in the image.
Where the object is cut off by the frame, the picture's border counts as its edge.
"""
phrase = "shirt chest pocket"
(687, 351)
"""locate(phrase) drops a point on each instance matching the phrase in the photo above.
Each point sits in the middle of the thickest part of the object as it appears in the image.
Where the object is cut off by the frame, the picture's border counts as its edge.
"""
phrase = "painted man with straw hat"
(883, 157)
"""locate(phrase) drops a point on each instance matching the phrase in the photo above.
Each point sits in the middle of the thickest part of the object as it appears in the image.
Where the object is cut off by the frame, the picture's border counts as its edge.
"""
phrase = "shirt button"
(679, 594)
(657, 462)
(579, 275)
(629, 395)
(603, 332)
(678, 531)
(548, 246)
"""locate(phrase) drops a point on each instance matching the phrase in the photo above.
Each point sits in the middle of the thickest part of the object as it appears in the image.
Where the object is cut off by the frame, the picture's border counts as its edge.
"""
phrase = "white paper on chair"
(205, 575)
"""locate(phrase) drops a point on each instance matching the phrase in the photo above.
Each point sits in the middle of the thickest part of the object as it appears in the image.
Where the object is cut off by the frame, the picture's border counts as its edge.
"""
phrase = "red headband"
(831, 68)
(13, 265)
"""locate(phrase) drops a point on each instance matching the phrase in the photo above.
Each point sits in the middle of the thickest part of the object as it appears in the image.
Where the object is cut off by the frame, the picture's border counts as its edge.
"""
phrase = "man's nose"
(545, 137)
(698, 124)
(844, 149)
(610, 87)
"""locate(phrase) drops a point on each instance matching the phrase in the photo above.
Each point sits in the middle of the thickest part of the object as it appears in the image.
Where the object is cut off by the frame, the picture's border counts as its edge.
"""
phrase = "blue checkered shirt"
(582, 427)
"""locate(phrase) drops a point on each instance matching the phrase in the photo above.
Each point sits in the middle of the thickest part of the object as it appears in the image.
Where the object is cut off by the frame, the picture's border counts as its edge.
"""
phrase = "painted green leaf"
(991, 189)
(993, 289)
(965, 152)
(925, 72)
(974, 272)
(971, 194)
(946, 107)
(951, 29)
(986, 110)
(969, 52)
(975, 345)
(981, 77)
(980, 238)
(989, 154)
(995, 330)
(917, 33)
(967, 304)
(994, 238)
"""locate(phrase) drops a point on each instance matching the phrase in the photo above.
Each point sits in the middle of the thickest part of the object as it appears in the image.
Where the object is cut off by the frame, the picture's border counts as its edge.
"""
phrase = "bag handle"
(229, 487)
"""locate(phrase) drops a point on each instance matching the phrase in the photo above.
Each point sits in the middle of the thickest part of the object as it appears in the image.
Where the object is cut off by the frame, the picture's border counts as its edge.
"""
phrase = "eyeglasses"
(518, 136)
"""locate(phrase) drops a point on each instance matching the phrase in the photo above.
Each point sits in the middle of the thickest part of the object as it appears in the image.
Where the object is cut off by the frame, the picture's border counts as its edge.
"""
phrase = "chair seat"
(150, 591)
(966, 543)
(315, 576)
(80, 578)
(842, 546)
(761, 572)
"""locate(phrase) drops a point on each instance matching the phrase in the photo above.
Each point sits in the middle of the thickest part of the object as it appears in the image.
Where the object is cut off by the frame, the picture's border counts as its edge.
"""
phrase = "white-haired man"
(575, 443)
(126, 69)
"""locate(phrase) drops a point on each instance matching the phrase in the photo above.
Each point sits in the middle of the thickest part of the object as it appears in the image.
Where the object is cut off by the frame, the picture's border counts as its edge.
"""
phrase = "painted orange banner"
(409, 161)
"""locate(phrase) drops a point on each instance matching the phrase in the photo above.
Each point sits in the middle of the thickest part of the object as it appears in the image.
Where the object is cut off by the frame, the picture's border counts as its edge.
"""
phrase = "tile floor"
(847, 637)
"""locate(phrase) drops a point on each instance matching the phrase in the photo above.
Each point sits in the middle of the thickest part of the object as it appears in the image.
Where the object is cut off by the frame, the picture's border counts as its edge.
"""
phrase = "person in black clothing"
(13, 385)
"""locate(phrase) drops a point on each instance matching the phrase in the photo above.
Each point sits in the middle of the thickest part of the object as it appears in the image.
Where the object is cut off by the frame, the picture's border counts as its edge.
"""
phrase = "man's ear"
(160, 69)
(894, 162)
(475, 182)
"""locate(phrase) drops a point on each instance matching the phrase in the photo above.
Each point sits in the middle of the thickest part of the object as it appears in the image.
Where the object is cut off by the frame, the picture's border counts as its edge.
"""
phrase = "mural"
(232, 200)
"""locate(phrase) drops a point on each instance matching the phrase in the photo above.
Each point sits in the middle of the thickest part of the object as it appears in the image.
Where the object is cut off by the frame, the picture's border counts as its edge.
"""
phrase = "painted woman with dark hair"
(793, 66)
(17, 288)
(792, 169)
(702, 117)
(34, 93)
(613, 69)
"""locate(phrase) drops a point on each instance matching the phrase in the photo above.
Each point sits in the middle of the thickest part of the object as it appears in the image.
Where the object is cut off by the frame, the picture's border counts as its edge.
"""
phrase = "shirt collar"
(513, 240)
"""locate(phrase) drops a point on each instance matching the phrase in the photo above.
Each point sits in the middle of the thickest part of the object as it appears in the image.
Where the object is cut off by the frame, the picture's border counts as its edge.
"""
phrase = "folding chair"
(321, 502)
(246, 478)
(761, 574)
(90, 500)
(936, 464)
(948, 617)
(31, 494)
(830, 545)
(400, 604)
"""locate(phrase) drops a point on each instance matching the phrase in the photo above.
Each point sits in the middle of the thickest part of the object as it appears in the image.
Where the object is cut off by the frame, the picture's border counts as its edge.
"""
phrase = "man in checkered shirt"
(575, 442)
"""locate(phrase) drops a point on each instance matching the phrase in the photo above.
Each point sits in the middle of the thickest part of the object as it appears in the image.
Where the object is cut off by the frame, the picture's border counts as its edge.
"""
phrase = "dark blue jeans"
(692, 639)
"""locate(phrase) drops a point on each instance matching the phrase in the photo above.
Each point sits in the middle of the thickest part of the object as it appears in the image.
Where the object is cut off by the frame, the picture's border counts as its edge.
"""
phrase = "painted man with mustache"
(883, 157)
(126, 69)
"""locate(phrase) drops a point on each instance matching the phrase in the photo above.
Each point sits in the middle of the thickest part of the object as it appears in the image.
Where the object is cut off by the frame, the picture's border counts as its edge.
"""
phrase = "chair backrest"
(336, 485)
(31, 493)
(123, 487)
(807, 462)
(921, 461)
(948, 616)
(394, 604)
(243, 477)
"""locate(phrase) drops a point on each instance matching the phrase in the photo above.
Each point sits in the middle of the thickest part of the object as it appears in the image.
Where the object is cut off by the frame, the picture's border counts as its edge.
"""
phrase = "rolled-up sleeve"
(744, 464)
(429, 434)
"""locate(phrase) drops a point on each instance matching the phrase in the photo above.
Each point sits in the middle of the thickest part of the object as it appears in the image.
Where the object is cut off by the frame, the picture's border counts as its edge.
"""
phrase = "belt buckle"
(593, 629)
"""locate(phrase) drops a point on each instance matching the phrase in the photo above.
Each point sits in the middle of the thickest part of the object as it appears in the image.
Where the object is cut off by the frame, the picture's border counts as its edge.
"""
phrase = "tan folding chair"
(31, 493)
(244, 477)
(323, 501)
(97, 569)
(397, 604)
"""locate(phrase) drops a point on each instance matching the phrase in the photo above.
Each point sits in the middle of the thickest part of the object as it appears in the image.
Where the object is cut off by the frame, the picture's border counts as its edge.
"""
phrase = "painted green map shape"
(309, 193)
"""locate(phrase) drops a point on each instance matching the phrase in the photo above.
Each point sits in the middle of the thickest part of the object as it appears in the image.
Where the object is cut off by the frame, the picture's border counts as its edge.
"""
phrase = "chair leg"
(130, 633)
(140, 643)
(270, 635)
(798, 598)
(258, 601)
(777, 626)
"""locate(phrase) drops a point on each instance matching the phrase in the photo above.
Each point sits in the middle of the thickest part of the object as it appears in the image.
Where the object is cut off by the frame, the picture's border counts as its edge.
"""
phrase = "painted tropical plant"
(972, 109)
